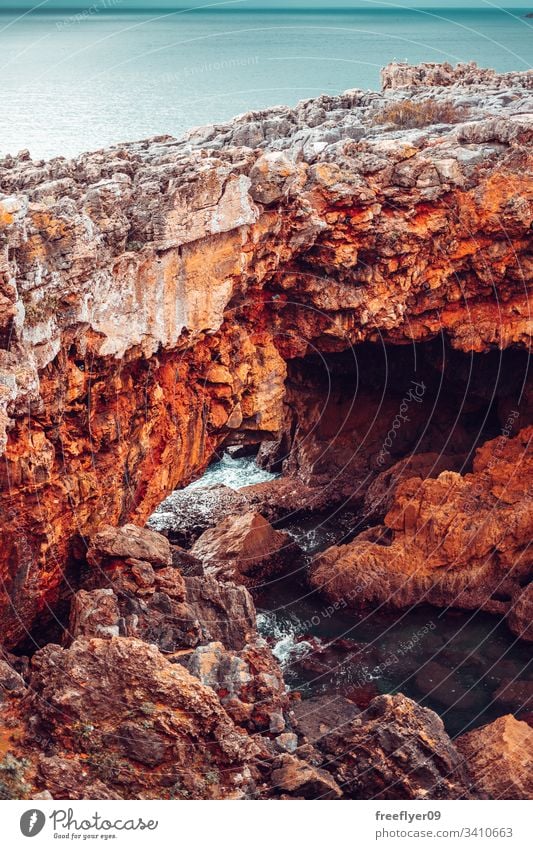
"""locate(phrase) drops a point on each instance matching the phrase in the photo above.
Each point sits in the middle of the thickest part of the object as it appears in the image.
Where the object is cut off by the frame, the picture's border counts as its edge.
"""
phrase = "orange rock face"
(150, 295)
(499, 757)
(457, 539)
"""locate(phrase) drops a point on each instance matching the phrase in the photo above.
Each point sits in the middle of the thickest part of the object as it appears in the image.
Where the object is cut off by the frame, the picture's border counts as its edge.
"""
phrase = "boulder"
(94, 614)
(249, 683)
(304, 781)
(319, 716)
(128, 541)
(246, 548)
(225, 611)
(454, 540)
(121, 706)
(187, 513)
(499, 757)
(10, 680)
(396, 750)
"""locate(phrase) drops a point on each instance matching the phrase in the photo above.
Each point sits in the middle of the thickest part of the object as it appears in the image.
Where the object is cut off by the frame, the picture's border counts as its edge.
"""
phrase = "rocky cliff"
(152, 294)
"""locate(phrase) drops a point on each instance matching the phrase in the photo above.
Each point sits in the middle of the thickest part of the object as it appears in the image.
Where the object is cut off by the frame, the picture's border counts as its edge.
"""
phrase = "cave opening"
(354, 423)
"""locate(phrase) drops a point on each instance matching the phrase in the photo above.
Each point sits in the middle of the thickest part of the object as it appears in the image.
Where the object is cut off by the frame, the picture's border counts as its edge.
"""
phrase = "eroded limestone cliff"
(151, 294)
(269, 281)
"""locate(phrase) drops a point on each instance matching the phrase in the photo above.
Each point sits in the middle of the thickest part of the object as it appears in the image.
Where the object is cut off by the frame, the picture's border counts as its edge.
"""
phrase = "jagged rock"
(225, 612)
(128, 542)
(186, 563)
(520, 616)
(286, 742)
(301, 779)
(399, 75)
(94, 614)
(245, 548)
(161, 620)
(458, 540)
(499, 757)
(396, 750)
(143, 744)
(185, 515)
(71, 779)
(10, 680)
(379, 497)
(103, 698)
(249, 684)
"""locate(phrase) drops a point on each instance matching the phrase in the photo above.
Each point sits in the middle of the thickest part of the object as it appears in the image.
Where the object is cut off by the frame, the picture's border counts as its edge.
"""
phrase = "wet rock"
(186, 514)
(520, 616)
(396, 750)
(286, 498)
(499, 757)
(302, 780)
(316, 717)
(246, 548)
(226, 612)
(362, 695)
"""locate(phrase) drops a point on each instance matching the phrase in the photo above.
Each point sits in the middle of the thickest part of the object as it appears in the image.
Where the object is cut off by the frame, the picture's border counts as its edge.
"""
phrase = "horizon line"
(84, 10)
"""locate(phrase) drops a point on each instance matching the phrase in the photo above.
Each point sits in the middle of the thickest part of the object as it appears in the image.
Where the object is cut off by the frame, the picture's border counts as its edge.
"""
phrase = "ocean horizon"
(74, 81)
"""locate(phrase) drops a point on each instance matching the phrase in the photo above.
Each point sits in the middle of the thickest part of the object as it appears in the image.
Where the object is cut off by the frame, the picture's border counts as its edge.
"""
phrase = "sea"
(72, 82)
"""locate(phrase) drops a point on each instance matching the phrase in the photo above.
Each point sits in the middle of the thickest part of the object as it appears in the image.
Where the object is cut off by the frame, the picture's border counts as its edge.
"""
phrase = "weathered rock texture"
(146, 723)
(151, 294)
(499, 757)
(395, 750)
(459, 540)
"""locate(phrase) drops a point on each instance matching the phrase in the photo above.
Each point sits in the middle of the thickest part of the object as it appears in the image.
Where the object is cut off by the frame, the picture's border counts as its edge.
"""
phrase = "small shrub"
(409, 114)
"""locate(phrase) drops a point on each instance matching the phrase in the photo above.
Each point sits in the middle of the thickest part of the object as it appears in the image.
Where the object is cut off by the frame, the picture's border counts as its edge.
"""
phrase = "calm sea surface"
(71, 84)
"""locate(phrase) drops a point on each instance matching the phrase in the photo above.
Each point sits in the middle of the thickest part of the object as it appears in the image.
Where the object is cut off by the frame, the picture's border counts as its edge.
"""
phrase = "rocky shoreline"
(339, 289)
(161, 688)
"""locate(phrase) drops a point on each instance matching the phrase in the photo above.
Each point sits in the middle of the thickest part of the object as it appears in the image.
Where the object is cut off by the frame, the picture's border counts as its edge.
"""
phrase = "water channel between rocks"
(466, 666)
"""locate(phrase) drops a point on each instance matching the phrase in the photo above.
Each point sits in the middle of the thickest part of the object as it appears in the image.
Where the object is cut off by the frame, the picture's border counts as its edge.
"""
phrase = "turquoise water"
(72, 83)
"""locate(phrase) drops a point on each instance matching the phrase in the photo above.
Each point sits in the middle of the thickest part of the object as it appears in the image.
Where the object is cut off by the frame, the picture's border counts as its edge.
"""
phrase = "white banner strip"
(272, 824)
